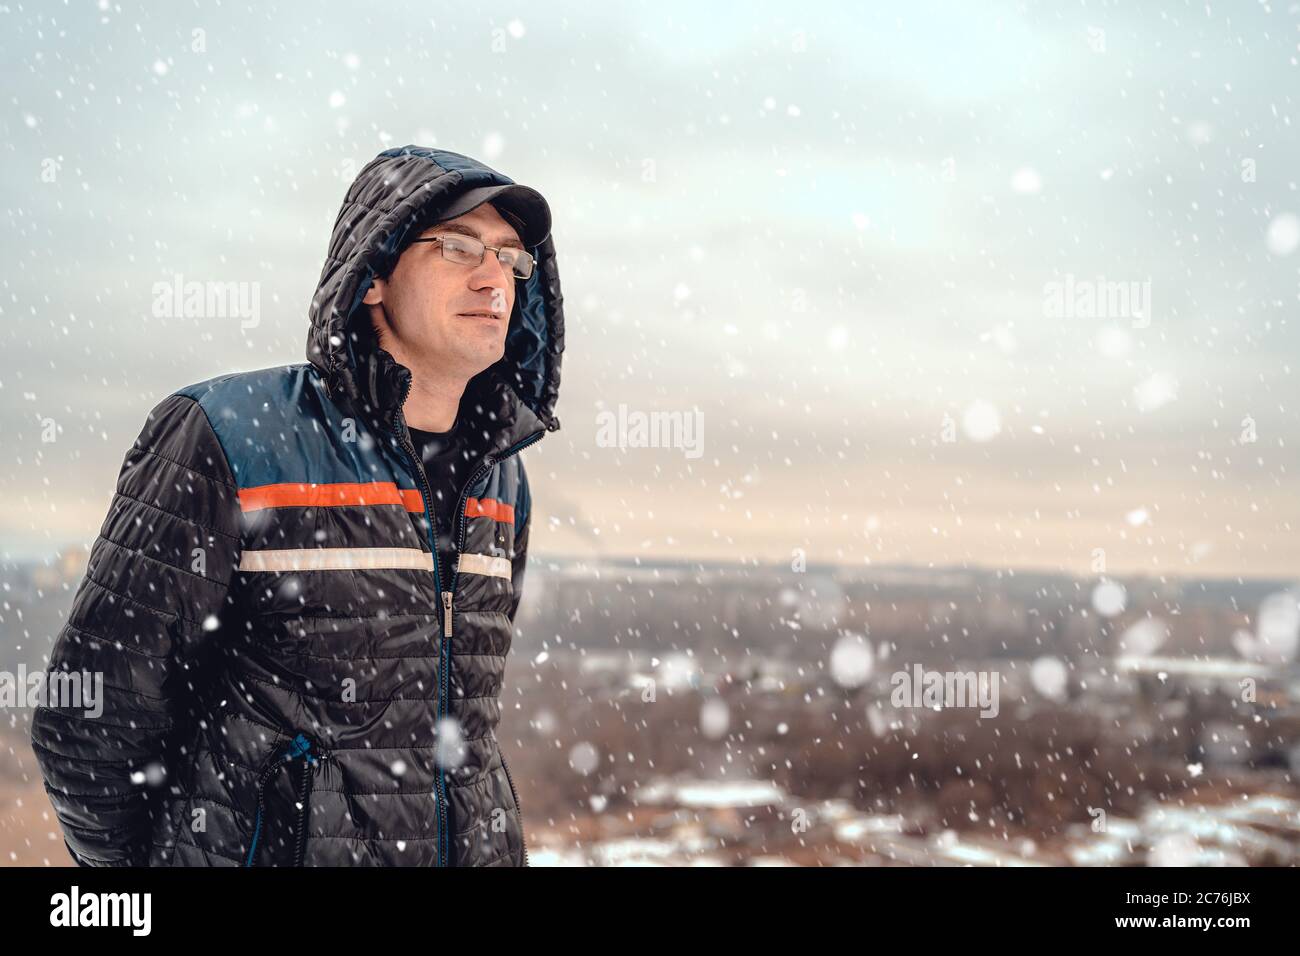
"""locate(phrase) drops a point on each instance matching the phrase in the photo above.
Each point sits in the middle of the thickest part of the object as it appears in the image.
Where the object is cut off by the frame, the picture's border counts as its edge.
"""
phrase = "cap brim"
(523, 207)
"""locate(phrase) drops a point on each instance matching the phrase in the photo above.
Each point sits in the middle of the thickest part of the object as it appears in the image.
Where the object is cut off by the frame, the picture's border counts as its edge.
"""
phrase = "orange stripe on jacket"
(301, 495)
(489, 508)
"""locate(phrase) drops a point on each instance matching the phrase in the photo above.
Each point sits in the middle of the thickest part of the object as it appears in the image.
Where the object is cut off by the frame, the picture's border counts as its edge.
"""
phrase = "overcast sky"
(831, 231)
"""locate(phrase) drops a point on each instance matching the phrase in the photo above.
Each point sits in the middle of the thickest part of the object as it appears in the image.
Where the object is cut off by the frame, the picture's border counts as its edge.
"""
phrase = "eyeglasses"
(468, 251)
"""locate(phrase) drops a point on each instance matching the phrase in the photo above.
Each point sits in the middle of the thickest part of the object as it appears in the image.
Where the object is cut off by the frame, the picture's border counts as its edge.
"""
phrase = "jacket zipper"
(426, 496)
(304, 801)
(447, 596)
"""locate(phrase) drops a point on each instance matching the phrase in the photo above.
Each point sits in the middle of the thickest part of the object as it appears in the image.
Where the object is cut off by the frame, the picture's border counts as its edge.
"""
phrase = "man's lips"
(481, 314)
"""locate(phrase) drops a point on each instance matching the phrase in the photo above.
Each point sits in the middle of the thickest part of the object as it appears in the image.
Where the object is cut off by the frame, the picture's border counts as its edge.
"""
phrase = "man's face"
(452, 316)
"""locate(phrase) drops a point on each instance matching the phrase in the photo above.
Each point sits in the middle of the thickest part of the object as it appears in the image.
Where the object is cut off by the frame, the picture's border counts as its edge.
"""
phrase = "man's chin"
(464, 357)
(479, 359)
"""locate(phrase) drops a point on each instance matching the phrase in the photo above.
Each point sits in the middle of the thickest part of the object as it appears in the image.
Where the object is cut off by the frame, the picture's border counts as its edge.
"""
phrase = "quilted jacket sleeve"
(155, 590)
(523, 522)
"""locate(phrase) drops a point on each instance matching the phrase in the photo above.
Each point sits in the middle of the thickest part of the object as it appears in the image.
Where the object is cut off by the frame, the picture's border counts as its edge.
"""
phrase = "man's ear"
(375, 294)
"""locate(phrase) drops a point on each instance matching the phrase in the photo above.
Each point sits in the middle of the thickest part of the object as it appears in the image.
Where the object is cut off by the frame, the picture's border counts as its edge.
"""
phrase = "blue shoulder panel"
(279, 425)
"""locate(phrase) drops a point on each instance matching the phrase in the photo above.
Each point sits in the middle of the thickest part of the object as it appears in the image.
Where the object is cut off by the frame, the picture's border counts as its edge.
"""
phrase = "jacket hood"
(403, 191)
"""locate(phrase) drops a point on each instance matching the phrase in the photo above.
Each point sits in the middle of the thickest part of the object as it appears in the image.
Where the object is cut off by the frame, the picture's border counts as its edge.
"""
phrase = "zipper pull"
(446, 612)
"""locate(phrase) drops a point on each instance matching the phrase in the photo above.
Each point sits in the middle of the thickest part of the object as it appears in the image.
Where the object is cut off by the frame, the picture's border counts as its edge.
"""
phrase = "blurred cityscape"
(688, 714)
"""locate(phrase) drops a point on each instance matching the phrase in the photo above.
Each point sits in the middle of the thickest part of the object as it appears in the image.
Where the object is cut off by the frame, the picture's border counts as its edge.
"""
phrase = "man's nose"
(492, 274)
(493, 270)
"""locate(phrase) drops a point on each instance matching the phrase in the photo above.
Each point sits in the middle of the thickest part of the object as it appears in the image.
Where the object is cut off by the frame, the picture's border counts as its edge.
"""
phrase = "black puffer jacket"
(289, 675)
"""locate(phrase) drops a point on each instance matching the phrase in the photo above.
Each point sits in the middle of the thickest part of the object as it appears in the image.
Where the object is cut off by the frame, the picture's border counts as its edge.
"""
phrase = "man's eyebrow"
(468, 231)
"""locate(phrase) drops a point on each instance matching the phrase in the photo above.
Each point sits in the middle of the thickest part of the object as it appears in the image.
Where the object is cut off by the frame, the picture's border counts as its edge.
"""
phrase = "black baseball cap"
(521, 206)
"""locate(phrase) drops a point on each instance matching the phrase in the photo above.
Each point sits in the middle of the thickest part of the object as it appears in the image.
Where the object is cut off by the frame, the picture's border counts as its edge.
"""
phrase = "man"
(303, 595)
